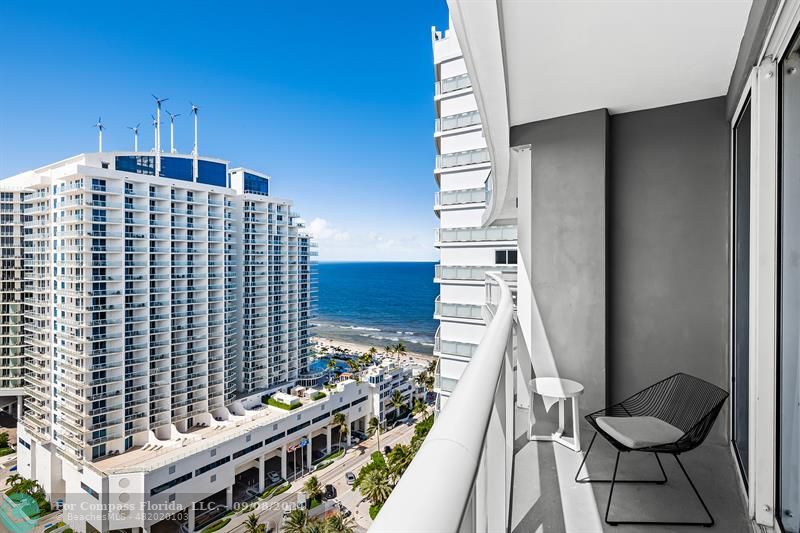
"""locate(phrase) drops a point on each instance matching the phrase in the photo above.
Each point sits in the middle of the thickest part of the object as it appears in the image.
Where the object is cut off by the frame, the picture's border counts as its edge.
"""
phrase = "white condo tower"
(467, 249)
(159, 309)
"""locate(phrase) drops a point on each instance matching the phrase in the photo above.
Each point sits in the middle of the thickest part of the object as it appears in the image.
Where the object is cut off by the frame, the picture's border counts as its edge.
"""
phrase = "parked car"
(350, 477)
(274, 477)
(359, 435)
(330, 492)
(344, 511)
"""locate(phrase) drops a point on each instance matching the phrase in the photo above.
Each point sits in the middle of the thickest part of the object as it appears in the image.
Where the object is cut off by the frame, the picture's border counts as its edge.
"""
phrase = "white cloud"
(322, 230)
(362, 244)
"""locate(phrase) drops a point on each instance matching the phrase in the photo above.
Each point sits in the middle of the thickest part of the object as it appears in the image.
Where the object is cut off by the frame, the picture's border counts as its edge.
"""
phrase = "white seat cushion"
(639, 431)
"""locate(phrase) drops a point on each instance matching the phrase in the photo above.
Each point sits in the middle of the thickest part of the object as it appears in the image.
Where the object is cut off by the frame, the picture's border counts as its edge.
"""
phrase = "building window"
(505, 257)
(89, 490)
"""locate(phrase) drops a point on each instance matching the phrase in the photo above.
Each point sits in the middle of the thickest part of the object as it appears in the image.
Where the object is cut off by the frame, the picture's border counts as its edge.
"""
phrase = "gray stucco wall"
(668, 245)
(568, 242)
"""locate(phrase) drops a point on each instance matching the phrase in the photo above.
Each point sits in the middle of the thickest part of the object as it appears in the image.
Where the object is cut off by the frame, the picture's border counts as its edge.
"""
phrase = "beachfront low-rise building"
(384, 379)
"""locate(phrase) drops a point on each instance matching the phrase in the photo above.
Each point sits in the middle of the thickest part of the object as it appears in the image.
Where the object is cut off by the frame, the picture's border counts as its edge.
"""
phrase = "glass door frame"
(745, 105)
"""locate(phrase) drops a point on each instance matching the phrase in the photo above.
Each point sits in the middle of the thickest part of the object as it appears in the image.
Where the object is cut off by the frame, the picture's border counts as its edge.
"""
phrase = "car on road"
(330, 492)
(387, 450)
(344, 511)
(350, 477)
(359, 435)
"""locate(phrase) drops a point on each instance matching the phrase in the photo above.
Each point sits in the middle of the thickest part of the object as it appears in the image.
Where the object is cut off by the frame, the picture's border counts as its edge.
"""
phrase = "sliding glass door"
(789, 356)
(740, 375)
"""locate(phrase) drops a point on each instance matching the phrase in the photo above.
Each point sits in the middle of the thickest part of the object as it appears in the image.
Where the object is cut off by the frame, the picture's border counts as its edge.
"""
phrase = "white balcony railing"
(478, 234)
(451, 84)
(453, 310)
(473, 273)
(460, 480)
(459, 159)
(463, 349)
(462, 120)
(461, 196)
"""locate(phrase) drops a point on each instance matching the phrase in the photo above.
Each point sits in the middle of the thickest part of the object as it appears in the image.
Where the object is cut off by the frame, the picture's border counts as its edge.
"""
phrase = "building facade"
(12, 297)
(153, 304)
(467, 249)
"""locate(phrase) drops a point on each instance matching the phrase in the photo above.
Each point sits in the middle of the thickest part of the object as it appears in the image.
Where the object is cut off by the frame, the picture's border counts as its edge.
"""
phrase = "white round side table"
(560, 389)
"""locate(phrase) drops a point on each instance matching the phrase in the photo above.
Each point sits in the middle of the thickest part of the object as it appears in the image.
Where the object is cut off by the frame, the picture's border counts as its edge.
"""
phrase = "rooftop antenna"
(135, 130)
(172, 131)
(195, 109)
(158, 132)
(100, 129)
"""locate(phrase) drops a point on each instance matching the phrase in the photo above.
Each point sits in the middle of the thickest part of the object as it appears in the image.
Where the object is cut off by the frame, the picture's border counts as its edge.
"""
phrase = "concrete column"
(229, 497)
(191, 517)
(261, 462)
(19, 408)
(283, 462)
(328, 439)
(349, 432)
(309, 449)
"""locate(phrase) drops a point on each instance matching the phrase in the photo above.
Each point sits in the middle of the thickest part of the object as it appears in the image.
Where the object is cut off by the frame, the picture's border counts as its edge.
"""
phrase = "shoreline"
(322, 343)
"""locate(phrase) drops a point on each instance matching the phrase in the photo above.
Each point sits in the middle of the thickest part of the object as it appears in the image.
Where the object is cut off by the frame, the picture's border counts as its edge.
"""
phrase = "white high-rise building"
(12, 296)
(467, 249)
(157, 309)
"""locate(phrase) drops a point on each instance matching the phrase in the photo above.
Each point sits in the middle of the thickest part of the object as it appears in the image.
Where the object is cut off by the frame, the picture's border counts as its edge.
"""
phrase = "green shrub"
(280, 405)
(216, 526)
(318, 396)
(377, 457)
(373, 510)
(275, 490)
(54, 527)
(6, 451)
(323, 464)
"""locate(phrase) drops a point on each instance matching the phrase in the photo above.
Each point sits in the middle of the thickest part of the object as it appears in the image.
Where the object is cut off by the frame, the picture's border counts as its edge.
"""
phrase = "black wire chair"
(687, 403)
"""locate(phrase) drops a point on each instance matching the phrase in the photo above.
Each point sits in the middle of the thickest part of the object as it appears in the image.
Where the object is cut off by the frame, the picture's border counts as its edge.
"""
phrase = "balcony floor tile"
(546, 499)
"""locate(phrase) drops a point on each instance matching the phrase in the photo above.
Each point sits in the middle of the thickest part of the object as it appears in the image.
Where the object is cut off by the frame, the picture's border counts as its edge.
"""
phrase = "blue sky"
(333, 99)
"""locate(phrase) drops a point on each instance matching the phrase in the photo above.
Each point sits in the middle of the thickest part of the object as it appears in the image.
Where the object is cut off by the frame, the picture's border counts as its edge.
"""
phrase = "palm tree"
(355, 365)
(336, 523)
(374, 428)
(419, 407)
(369, 357)
(398, 402)
(312, 488)
(388, 349)
(400, 348)
(252, 525)
(13, 480)
(296, 522)
(340, 422)
(375, 486)
(420, 379)
(331, 366)
(399, 459)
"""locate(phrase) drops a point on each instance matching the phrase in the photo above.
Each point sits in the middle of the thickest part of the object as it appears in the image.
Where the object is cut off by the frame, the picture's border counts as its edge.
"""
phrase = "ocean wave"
(359, 328)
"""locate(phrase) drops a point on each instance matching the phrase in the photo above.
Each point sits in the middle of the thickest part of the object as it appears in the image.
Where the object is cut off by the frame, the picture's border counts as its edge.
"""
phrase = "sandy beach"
(324, 343)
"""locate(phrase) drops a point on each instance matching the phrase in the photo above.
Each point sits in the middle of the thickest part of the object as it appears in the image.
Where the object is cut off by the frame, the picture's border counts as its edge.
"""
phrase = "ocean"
(378, 304)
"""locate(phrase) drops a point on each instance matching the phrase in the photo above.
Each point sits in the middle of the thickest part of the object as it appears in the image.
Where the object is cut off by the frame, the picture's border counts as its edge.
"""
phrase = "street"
(270, 511)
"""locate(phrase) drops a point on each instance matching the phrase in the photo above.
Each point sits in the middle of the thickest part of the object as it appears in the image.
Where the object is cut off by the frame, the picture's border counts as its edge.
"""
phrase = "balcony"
(477, 274)
(460, 159)
(449, 236)
(462, 120)
(497, 480)
(444, 310)
(451, 84)
(459, 197)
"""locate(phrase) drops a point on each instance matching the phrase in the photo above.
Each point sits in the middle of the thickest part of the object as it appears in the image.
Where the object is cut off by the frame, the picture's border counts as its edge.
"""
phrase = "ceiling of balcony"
(564, 57)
